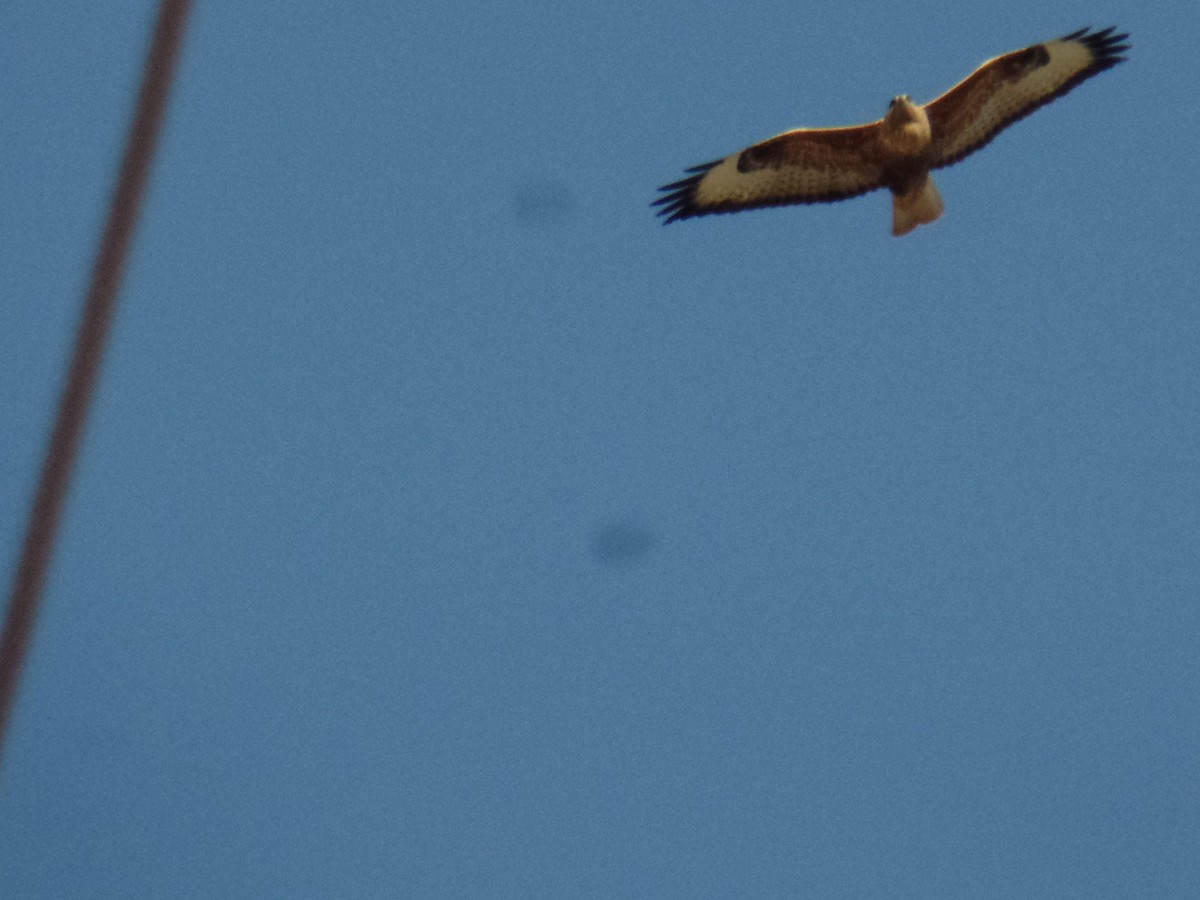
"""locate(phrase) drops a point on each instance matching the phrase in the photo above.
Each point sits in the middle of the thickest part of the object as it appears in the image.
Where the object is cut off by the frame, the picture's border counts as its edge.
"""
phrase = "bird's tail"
(919, 205)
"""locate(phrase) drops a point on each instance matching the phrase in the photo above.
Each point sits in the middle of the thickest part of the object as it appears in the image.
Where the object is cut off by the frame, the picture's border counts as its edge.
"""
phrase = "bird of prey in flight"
(821, 165)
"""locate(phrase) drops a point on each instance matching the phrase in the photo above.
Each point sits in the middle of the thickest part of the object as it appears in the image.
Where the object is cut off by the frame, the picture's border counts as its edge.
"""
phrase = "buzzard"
(821, 165)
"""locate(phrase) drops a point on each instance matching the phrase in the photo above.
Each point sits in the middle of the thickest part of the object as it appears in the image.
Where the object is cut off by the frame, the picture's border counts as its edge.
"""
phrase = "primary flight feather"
(820, 165)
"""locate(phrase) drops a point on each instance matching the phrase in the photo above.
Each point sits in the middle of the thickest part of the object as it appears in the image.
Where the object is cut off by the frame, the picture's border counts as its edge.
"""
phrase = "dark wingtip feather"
(679, 200)
(1107, 46)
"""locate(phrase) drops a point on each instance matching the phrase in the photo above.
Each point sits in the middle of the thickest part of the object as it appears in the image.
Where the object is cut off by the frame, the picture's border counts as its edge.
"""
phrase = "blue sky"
(448, 528)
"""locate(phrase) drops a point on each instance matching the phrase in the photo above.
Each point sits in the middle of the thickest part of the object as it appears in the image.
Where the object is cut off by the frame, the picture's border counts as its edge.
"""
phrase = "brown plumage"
(821, 165)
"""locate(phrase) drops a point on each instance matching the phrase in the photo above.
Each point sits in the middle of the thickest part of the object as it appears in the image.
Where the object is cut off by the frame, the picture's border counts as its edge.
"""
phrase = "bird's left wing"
(808, 165)
(1010, 87)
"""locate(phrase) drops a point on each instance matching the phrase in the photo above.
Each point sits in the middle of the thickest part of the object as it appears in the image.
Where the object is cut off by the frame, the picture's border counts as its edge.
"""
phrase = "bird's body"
(821, 165)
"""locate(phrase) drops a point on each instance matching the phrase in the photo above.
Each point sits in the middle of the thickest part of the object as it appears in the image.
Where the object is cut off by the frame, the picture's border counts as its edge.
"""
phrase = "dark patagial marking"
(749, 161)
(1025, 61)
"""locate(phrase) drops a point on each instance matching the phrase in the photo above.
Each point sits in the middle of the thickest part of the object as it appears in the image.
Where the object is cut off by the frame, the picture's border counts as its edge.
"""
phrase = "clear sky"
(447, 527)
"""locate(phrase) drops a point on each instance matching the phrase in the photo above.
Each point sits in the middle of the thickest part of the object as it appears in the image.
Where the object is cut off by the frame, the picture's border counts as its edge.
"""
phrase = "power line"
(99, 304)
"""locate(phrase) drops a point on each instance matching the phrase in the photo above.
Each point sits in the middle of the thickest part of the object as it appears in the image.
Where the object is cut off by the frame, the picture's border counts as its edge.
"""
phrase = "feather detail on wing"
(809, 165)
(1008, 88)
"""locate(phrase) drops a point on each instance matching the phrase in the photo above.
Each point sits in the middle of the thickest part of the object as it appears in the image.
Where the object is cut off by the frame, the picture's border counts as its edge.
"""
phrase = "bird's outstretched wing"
(1010, 87)
(808, 165)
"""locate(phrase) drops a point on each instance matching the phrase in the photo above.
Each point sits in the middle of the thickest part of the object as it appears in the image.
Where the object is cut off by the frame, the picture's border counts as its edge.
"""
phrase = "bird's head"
(902, 110)
(906, 126)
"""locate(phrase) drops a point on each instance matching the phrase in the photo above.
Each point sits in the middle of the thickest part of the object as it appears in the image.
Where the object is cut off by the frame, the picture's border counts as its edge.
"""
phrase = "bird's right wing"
(808, 165)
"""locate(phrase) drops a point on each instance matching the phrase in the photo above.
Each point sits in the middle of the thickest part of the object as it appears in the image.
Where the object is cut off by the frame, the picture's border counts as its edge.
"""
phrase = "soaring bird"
(897, 152)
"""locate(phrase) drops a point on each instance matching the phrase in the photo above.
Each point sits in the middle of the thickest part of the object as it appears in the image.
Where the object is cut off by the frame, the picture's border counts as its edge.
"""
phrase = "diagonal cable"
(99, 304)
